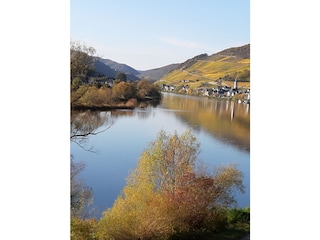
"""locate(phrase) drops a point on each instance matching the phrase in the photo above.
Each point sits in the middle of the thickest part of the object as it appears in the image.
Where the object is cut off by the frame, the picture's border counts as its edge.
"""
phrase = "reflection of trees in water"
(139, 112)
(120, 113)
(227, 120)
(81, 196)
(87, 123)
(144, 113)
(82, 125)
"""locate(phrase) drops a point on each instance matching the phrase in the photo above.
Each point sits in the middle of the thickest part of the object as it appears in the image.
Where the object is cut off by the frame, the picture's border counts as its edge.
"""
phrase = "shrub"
(123, 91)
(216, 220)
(237, 215)
(83, 229)
(166, 195)
(132, 102)
(76, 83)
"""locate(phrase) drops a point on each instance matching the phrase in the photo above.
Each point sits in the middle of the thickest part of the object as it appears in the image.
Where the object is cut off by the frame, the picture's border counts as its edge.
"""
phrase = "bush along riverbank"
(237, 227)
(123, 95)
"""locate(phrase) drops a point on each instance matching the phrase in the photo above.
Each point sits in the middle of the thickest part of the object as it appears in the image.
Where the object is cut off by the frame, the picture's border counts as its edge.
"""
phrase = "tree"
(168, 193)
(147, 89)
(143, 87)
(81, 59)
(80, 194)
(123, 91)
(83, 229)
(76, 83)
(80, 199)
(174, 156)
(121, 76)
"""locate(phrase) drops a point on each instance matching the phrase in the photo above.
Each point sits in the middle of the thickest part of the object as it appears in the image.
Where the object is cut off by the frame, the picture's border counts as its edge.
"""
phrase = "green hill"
(217, 69)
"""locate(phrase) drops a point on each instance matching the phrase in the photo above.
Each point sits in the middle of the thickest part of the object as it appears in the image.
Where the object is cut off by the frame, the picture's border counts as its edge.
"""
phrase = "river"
(222, 128)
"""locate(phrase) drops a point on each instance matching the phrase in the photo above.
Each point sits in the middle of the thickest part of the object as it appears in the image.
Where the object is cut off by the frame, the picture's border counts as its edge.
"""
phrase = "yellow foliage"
(83, 229)
(210, 70)
(164, 195)
(94, 96)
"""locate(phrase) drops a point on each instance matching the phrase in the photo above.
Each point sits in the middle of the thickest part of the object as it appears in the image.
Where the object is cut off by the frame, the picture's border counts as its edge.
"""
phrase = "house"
(226, 88)
(109, 81)
(231, 93)
(208, 92)
(185, 88)
(165, 87)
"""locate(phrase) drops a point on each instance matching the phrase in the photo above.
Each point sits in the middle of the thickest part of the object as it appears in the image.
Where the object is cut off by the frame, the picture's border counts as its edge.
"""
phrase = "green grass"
(231, 233)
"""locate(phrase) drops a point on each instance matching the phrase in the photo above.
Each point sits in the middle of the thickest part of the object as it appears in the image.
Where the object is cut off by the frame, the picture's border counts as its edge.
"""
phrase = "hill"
(220, 68)
(104, 69)
(157, 73)
(240, 52)
(217, 69)
(119, 67)
(111, 69)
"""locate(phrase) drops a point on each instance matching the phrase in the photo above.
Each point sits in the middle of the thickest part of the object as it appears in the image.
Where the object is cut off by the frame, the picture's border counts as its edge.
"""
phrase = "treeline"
(121, 94)
(170, 195)
(92, 89)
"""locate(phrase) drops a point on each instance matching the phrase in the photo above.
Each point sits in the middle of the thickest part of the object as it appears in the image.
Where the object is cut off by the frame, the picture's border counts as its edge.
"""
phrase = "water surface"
(222, 128)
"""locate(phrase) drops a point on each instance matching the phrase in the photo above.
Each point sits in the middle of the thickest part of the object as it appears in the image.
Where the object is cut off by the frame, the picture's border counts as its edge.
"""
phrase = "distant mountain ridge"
(104, 69)
(119, 67)
(157, 73)
(240, 52)
(111, 68)
(192, 61)
(114, 68)
(193, 66)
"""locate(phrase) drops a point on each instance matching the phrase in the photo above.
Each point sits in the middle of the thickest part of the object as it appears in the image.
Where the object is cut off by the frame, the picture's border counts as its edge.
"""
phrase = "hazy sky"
(148, 34)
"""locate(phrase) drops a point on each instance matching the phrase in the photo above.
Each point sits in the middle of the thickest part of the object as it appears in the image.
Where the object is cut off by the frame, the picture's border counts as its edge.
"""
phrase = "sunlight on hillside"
(211, 70)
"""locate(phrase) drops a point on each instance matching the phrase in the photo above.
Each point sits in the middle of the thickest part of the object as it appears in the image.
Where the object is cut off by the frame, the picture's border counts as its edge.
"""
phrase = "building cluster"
(108, 81)
(216, 92)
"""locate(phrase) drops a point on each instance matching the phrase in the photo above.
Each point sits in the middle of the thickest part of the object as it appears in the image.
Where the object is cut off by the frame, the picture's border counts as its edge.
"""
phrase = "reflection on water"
(86, 122)
(120, 136)
(227, 120)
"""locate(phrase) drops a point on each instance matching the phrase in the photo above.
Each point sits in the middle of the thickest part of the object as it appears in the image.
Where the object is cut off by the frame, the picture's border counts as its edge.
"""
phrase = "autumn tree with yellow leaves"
(168, 193)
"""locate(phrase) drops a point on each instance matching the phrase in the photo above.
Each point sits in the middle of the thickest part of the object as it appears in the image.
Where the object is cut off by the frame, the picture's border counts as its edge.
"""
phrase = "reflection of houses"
(247, 98)
(232, 110)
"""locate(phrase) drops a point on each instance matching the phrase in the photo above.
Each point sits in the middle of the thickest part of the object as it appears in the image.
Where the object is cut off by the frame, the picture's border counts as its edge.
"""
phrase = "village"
(223, 91)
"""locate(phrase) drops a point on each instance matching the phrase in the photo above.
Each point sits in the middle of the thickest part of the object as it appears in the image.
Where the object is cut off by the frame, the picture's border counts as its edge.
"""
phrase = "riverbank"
(100, 108)
(130, 104)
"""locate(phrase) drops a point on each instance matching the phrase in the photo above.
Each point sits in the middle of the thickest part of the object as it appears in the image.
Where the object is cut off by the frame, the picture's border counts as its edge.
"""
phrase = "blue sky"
(149, 34)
